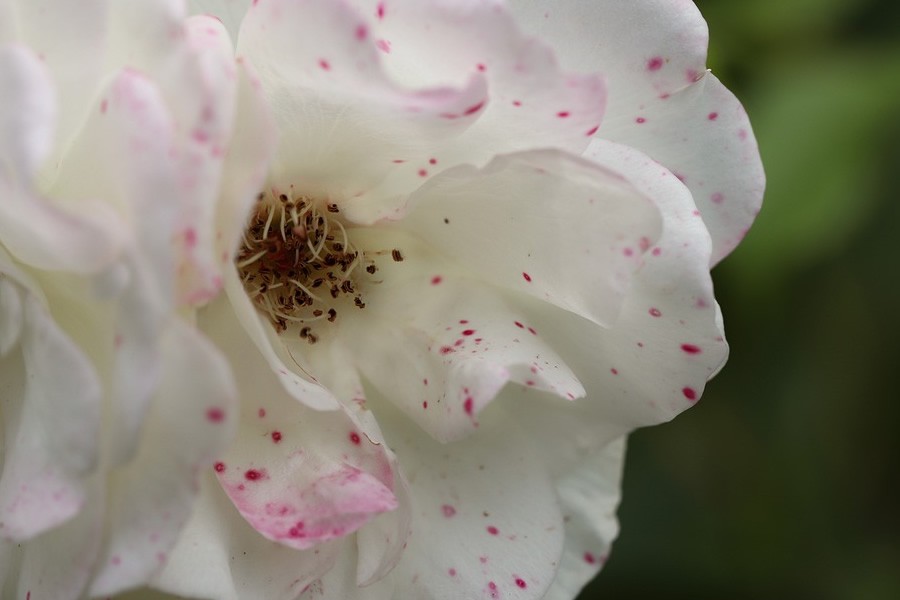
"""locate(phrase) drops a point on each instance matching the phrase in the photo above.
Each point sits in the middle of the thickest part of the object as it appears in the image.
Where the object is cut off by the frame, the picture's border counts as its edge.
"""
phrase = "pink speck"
(446, 350)
(717, 198)
(712, 116)
(563, 114)
(452, 572)
(532, 331)
(656, 251)
(116, 560)
(468, 332)
(362, 32)
(425, 404)
(691, 348)
(423, 173)
(384, 46)
(526, 276)
(432, 161)
(521, 583)
(481, 67)
(655, 63)
(354, 437)
(628, 252)
(436, 280)
(592, 131)
(469, 405)
(104, 106)
(655, 312)
(253, 474)
(492, 530)
(379, 10)
(215, 415)
(474, 108)
(590, 558)
(219, 467)
(689, 393)
(448, 511)
(276, 436)
(324, 64)
(261, 413)
(614, 371)
(640, 120)
(517, 103)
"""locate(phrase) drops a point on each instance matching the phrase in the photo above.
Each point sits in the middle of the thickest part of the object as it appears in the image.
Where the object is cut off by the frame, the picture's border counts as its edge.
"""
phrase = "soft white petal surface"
(51, 419)
(661, 99)
(191, 420)
(299, 477)
(34, 231)
(541, 223)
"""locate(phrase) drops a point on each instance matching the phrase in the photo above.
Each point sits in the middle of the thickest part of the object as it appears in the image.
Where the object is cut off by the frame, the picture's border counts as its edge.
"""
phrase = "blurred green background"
(783, 481)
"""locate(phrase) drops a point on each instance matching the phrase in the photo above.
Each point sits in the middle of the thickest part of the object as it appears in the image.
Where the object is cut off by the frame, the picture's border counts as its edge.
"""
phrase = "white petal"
(230, 12)
(70, 40)
(342, 121)
(661, 99)
(703, 135)
(33, 230)
(270, 347)
(437, 343)
(589, 495)
(57, 565)
(190, 422)
(541, 223)
(299, 477)
(667, 342)
(486, 523)
(51, 417)
(220, 556)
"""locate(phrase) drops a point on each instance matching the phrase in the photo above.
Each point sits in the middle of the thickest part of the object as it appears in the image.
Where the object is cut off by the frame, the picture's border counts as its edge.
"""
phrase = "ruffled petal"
(486, 521)
(662, 100)
(589, 495)
(542, 223)
(703, 135)
(220, 556)
(342, 120)
(190, 422)
(58, 564)
(298, 476)
(438, 344)
(33, 230)
(71, 41)
(51, 418)
(667, 342)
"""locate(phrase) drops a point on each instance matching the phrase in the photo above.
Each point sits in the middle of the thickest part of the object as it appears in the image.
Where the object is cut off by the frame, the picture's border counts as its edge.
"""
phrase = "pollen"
(298, 263)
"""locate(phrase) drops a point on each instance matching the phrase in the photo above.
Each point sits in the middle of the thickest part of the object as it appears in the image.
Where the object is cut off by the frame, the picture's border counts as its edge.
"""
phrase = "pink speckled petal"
(219, 555)
(661, 99)
(51, 418)
(440, 344)
(667, 342)
(190, 422)
(343, 122)
(192, 63)
(298, 476)
(543, 223)
(487, 522)
(703, 135)
(35, 231)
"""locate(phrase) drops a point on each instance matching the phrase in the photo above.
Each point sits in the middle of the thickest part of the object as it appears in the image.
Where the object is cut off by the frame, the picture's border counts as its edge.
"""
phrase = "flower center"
(297, 263)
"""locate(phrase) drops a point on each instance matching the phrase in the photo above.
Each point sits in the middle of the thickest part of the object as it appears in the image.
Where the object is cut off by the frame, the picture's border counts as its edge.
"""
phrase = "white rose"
(468, 273)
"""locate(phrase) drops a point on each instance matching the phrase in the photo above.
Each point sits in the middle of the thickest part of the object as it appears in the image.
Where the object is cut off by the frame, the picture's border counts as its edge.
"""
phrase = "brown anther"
(395, 254)
(333, 208)
(371, 269)
(332, 314)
